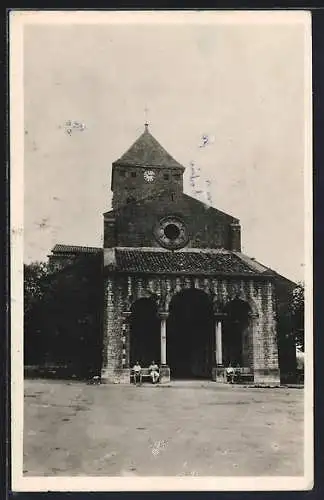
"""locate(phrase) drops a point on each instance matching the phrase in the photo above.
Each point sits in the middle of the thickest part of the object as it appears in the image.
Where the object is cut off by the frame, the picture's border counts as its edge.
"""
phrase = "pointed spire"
(146, 150)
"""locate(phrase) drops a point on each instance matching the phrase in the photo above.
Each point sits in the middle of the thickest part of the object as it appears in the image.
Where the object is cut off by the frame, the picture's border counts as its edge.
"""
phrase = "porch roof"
(74, 249)
(188, 262)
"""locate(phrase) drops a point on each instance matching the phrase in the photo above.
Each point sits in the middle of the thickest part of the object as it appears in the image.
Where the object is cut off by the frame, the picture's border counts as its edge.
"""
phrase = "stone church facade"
(177, 288)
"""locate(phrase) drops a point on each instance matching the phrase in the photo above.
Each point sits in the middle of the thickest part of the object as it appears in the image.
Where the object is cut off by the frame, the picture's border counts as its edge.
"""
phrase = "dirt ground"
(186, 428)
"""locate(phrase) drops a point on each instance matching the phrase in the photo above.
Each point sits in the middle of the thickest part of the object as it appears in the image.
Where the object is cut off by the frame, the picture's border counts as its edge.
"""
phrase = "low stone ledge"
(121, 376)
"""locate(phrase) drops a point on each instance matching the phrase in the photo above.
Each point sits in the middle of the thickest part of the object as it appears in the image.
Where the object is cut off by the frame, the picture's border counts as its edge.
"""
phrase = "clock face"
(149, 175)
(171, 232)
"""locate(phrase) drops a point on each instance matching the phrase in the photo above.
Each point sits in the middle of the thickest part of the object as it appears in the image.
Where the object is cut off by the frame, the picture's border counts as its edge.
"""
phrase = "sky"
(240, 84)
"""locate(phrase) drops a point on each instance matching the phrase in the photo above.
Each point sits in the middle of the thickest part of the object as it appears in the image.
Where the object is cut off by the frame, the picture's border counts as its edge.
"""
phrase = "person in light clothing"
(137, 369)
(230, 374)
(154, 372)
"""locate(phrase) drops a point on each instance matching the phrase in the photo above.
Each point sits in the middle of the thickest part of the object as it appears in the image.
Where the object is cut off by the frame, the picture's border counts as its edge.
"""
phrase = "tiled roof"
(133, 260)
(58, 248)
(147, 151)
(250, 261)
(140, 260)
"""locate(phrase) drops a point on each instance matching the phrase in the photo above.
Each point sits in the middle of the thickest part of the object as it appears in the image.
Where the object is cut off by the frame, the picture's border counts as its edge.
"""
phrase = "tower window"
(133, 174)
(122, 173)
(166, 177)
(176, 176)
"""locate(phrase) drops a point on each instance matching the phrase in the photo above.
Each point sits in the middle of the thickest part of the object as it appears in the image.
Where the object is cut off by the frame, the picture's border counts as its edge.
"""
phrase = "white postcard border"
(18, 19)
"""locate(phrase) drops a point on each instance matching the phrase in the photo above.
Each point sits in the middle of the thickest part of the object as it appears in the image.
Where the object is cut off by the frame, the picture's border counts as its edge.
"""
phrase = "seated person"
(137, 369)
(230, 374)
(154, 372)
(237, 373)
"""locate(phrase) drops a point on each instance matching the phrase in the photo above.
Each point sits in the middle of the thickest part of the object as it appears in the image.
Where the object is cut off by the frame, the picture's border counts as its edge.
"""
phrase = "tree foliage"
(63, 311)
(297, 311)
(34, 284)
(289, 307)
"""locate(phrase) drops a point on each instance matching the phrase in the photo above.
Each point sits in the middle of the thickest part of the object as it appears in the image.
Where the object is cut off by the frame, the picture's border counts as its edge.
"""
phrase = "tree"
(63, 314)
(297, 311)
(72, 315)
(35, 274)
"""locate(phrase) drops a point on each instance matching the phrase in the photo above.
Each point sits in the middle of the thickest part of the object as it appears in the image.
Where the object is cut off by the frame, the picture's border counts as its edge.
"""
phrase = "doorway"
(190, 339)
(236, 322)
(144, 332)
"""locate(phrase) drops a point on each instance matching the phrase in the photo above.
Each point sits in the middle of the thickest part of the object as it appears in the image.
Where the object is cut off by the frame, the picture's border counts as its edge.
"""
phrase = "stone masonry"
(260, 351)
(159, 243)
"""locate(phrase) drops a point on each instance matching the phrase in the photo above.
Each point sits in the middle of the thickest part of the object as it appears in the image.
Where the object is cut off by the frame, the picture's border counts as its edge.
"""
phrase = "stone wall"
(207, 227)
(112, 330)
(265, 347)
(128, 182)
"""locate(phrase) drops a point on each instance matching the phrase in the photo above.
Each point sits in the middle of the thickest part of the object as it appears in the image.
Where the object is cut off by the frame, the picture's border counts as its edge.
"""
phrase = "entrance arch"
(235, 327)
(144, 332)
(190, 338)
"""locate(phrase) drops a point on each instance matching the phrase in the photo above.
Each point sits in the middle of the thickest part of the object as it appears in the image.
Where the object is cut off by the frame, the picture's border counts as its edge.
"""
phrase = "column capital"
(163, 315)
(126, 314)
(253, 315)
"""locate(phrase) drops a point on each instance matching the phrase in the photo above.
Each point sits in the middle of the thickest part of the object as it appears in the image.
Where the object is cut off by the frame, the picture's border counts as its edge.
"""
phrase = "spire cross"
(146, 116)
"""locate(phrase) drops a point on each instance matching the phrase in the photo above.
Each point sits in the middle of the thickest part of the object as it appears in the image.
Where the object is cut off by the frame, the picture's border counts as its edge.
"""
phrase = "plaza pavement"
(185, 428)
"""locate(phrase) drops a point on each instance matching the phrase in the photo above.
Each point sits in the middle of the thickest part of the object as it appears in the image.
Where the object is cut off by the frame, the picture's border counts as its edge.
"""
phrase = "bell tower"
(146, 168)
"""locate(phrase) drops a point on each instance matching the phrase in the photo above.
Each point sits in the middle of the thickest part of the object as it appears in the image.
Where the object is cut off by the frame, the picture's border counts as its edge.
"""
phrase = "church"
(177, 288)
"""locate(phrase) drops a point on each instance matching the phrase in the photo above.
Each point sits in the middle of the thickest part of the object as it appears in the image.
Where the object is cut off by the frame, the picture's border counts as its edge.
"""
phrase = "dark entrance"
(144, 332)
(237, 320)
(190, 339)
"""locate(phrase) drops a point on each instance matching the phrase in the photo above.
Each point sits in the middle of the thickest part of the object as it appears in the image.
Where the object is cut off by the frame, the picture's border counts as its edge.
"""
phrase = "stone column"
(124, 373)
(218, 370)
(163, 340)
(265, 370)
(164, 369)
(219, 352)
(125, 339)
